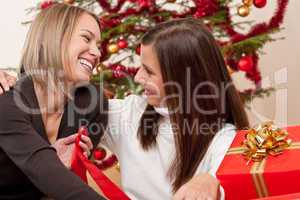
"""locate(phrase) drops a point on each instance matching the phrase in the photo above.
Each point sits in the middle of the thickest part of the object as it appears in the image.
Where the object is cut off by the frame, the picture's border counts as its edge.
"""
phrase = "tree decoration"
(125, 21)
(260, 3)
(246, 64)
(112, 48)
(248, 2)
(99, 154)
(46, 4)
(244, 10)
(138, 50)
(122, 44)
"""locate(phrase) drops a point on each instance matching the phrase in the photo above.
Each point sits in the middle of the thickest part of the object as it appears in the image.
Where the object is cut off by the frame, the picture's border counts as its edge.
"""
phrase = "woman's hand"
(6, 81)
(65, 147)
(86, 145)
(200, 187)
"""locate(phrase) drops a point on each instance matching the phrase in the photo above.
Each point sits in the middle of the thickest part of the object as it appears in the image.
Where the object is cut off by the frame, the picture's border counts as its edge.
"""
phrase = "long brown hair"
(185, 46)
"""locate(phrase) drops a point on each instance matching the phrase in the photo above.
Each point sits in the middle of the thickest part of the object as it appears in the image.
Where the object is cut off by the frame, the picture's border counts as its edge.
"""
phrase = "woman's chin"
(84, 75)
(153, 101)
(82, 79)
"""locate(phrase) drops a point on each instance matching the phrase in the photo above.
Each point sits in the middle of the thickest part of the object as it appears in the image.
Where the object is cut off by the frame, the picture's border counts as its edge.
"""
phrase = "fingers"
(4, 81)
(85, 148)
(84, 139)
(70, 139)
(87, 140)
(86, 145)
(11, 81)
(1, 91)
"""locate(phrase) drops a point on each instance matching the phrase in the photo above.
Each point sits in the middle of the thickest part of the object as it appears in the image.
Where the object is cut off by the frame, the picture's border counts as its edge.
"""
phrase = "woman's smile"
(149, 92)
(87, 65)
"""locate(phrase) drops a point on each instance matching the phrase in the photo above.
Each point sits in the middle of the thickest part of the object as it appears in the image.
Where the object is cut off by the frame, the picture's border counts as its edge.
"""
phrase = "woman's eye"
(148, 71)
(86, 38)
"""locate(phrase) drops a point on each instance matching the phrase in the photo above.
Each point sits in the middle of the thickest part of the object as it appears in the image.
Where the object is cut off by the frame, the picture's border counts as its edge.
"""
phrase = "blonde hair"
(43, 51)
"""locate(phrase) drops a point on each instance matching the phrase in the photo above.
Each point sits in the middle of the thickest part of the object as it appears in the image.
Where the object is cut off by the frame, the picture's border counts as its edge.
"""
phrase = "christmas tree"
(125, 21)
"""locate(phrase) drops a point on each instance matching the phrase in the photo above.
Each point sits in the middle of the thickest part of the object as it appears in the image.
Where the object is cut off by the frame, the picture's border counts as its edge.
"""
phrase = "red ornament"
(158, 18)
(132, 70)
(206, 8)
(46, 4)
(260, 3)
(99, 154)
(138, 50)
(246, 64)
(107, 163)
(122, 44)
(120, 68)
(118, 71)
(256, 78)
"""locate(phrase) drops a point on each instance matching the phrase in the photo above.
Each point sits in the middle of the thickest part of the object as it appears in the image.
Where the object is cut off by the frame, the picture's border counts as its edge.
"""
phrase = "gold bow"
(263, 140)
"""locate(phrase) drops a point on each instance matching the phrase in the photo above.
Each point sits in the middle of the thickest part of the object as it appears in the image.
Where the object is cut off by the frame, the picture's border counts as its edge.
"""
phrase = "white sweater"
(144, 173)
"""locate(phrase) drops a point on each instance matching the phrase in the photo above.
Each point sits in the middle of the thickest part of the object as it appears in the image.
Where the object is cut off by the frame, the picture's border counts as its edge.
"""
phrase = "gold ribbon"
(256, 172)
(266, 139)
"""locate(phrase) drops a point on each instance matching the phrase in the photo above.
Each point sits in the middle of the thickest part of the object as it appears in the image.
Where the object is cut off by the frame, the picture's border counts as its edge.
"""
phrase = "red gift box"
(274, 175)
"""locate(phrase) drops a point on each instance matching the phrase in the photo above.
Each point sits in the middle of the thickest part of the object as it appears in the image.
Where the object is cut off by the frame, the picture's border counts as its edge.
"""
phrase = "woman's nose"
(95, 51)
(139, 78)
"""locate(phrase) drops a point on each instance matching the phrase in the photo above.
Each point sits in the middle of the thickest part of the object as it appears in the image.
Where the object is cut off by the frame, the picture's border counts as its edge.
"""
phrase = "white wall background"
(280, 66)
(12, 14)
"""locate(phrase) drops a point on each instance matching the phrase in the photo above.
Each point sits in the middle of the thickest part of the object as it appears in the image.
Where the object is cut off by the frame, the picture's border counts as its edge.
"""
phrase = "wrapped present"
(87, 170)
(262, 162)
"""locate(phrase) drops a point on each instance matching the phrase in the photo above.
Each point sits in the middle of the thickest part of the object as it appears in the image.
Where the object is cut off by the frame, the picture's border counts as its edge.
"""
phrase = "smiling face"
(149, 75)
(83, 49)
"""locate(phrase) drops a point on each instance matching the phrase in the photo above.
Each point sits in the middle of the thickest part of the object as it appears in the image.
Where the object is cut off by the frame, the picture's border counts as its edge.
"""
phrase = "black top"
(29, 166)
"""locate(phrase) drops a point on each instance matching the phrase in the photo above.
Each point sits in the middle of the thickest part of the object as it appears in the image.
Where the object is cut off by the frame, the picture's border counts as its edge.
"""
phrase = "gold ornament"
(69, 1)
(243, 10)
(112, 48)
(248, 2)
(100, 67)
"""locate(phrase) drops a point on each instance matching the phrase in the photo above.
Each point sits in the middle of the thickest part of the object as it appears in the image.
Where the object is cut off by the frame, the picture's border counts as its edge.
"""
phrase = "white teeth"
(86, 63)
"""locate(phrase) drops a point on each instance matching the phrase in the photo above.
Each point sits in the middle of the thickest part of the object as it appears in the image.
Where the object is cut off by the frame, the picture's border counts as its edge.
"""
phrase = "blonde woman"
(40, 115)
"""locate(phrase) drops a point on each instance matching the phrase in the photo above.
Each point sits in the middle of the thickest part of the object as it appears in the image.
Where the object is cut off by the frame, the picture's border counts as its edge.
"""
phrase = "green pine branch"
(250, 45)
(259, 93)
(121, 28)
(224, 2)
(218, 18)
